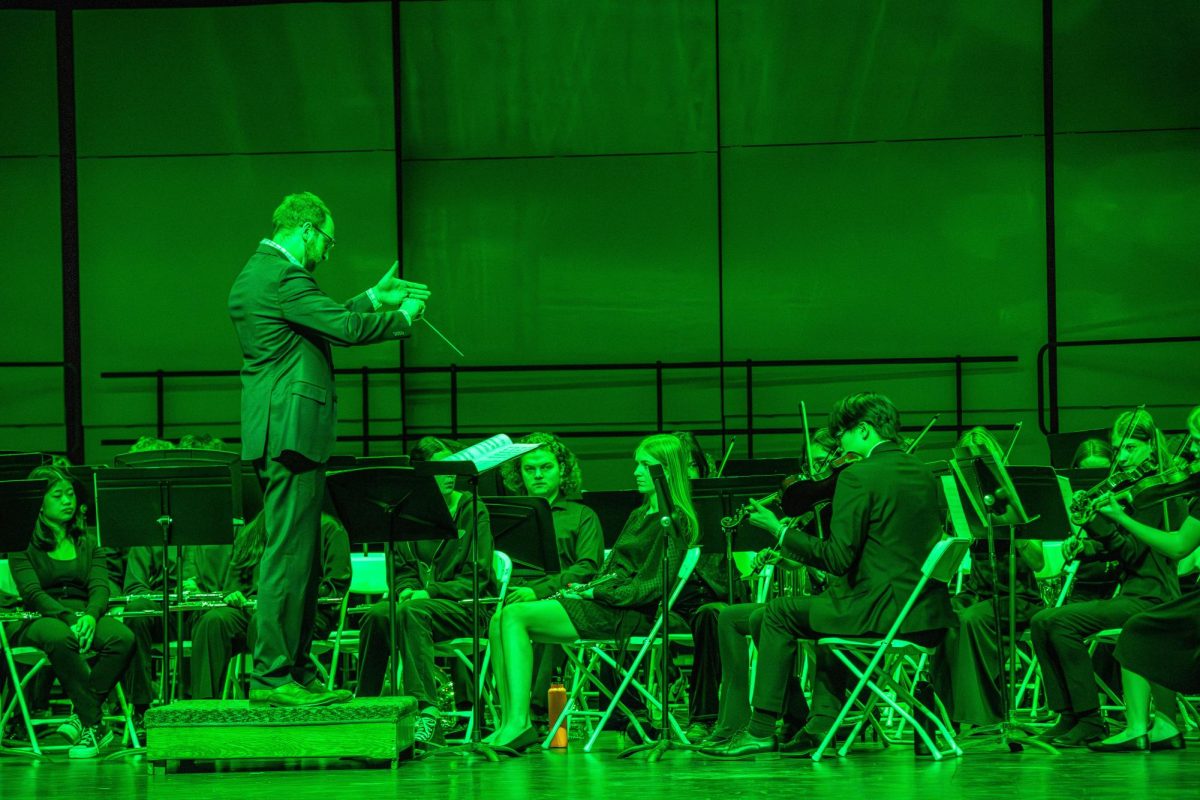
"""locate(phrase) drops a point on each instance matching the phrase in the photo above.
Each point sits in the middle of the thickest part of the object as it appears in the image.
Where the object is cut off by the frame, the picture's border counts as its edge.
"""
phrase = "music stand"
(161, 506)
(995, 501)
(716, 499)
(462, 465)
(612, 509)
(20, 504)
(17, 466)
(388, 505)
(525, 526)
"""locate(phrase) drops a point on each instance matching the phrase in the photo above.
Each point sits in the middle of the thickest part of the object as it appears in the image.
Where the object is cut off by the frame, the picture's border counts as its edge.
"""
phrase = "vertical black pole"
(749, 408)
(720, 217)
(658, 396)
(69, 210)
(366, 411)
(958, 396)
(397, 93)
(1051, 264)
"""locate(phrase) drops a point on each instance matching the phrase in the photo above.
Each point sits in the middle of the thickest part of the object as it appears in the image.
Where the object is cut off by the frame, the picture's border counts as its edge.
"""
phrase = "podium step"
(379, 728)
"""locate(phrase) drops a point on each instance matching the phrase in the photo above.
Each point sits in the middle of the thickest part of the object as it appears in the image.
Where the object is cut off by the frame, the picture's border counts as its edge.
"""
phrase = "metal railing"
(658, 368)
(1045, 348)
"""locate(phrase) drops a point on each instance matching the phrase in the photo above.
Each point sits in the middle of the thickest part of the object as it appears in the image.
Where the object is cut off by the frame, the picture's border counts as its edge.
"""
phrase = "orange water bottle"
(556, 701)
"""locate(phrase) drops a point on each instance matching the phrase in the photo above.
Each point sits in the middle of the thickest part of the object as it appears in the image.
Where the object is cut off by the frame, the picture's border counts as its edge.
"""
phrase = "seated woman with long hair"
(625, 602)
(63, 575)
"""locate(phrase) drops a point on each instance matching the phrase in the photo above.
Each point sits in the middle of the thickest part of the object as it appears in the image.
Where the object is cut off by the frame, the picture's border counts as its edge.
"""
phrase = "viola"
(1160, 487)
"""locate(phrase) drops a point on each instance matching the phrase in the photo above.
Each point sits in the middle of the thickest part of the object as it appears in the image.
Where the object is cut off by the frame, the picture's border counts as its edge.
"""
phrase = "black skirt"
(593, 620)
(1163, 644)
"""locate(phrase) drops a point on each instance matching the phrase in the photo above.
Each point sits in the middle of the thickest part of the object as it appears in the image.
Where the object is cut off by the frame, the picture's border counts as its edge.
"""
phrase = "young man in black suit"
(286, 325)
(885, 523)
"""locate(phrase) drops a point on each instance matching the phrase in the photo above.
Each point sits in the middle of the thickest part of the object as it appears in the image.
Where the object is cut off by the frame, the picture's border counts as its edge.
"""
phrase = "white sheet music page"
(491, 453)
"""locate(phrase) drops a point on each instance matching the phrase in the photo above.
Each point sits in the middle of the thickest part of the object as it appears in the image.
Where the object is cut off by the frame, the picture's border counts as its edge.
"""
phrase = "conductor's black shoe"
(743, 746)
(1138, 744)
(339, 695)
(291, 695)
(804, 743)
(1175, 742)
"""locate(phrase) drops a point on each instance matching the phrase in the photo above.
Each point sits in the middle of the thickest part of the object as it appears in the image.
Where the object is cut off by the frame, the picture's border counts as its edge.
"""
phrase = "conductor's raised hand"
(392, 291)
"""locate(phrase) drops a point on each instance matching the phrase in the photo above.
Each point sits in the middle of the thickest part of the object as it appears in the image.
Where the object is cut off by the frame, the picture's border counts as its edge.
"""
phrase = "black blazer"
(885, 523)
(85, 587)
(286, 325)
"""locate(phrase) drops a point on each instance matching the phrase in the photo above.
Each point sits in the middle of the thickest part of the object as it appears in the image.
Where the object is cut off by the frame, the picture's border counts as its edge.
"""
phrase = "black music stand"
(17, 466)
(388, 505)
(20, 505)
(996, 501)
(470, 470)
(165, 506)
(718, 499)
(525, 527)
(612, 509)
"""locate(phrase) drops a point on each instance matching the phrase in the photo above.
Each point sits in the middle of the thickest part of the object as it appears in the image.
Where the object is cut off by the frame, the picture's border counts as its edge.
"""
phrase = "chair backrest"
(7, 584)
(502, 568)
(368, 573)
(690, 558)
(945, 559)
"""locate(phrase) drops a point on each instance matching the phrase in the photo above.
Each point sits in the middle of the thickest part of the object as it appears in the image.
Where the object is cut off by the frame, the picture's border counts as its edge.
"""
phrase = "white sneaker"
(91, 742)
(71, 730)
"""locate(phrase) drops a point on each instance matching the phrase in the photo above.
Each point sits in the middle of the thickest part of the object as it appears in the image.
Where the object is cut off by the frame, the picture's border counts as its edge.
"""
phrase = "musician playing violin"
(1159, 649)
(1147, 580)
(885, 523)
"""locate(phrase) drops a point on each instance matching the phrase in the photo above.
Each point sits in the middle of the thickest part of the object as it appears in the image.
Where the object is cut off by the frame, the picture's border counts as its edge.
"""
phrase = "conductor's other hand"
(414, 308)
(392, 291)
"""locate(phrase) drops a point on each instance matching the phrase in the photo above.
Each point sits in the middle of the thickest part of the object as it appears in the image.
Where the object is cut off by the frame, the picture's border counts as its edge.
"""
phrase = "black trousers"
(147, 631)
(734, 624)
(87, 686)
(1058, 635)
(419, 625)
(289, 574)
(217, 636)
(705, 685)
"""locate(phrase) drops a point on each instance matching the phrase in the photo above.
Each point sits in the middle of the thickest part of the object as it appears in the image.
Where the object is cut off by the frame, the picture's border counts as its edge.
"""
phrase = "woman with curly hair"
(618, 608)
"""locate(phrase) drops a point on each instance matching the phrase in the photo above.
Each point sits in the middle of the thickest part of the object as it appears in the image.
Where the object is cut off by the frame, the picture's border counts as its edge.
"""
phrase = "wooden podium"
(378, 728)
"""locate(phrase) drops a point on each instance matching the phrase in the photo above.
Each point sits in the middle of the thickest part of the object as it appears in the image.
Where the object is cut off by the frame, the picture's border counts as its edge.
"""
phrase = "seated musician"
(623, 604)
(706, 593)
(1159, 649)
(219, 634)
(1092, 454)
(1148, 579)
(553, 472)
(969, 668)
(63, 575)
(738, 621)
(432, 576)
(885, 523)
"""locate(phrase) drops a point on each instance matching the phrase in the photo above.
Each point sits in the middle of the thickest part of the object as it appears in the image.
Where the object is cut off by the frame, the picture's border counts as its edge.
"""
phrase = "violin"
(799, 493)
(1085, 503)
(1151, 489)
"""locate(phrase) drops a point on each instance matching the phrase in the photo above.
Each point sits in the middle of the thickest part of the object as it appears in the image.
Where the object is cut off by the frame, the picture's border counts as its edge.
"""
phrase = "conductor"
(285, 325)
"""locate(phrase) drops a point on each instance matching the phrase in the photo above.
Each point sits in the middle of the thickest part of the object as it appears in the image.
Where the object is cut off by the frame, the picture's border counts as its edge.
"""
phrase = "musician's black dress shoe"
(291, 695)
(804, 743)
(1175, 742)
(1138, 744)
(716, 738)
(743, 745)
(339, 695)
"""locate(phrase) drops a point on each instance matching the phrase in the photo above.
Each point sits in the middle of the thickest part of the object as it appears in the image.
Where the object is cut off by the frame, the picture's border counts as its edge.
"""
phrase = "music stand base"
(1012, 736)
(654, 750)
(488, 751)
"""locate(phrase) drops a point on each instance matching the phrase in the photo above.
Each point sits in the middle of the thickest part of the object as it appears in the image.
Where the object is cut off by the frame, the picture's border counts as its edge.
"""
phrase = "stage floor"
(865, 775)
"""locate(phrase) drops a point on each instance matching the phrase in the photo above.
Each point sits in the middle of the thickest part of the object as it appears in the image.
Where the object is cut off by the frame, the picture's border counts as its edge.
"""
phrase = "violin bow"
(728, 451)
(913, 444)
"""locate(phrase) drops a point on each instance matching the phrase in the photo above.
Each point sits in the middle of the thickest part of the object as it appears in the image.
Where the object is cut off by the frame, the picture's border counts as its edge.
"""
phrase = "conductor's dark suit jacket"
(286, 325)
(885, 523)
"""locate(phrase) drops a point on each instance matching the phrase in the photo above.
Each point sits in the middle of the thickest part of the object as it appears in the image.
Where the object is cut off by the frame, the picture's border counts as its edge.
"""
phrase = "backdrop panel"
(827, 70)
(541, 77)
(234, 80)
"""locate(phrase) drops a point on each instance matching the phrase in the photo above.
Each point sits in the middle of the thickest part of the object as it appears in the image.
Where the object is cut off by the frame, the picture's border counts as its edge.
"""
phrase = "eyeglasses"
(332, 241)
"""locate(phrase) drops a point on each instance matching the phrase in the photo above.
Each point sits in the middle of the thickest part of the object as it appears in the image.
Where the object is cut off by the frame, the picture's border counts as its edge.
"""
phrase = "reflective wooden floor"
(866, 774)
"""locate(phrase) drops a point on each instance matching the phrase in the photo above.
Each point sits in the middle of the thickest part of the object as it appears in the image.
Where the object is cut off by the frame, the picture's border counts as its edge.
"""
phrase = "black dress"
(1163, 644)
(628, 603)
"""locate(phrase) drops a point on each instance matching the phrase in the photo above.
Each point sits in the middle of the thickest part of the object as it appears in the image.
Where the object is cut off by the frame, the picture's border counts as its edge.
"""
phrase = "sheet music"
(491, 453)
